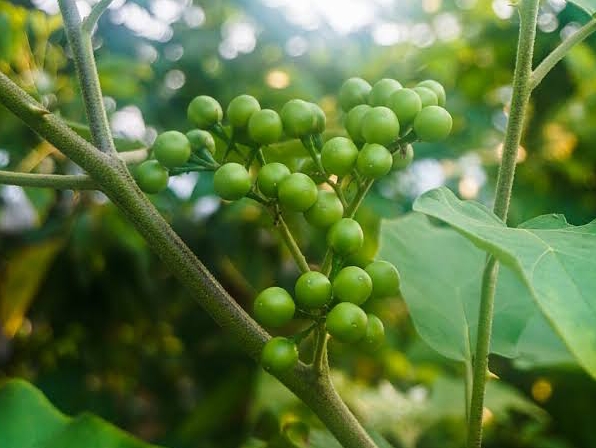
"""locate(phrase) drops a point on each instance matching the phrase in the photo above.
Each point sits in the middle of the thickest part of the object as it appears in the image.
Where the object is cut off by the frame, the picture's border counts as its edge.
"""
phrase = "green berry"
(270, 176)
(265, 127)
(406, 104)
(353, 123)
(279, 354)
(374, 161)
(313, 290)
(352, 284)
(274, 307)
(353, 92)
(382, 90)
(171, 149)
(402, 158)
(345, 236)
(380, 125)
(297, 192)
(151, 176)
(199, 139)
(437, 88)
(347, 322)
(375, 334)
(339, 155)
(231, 181)
(204, 111)
(433, 124)
(241, 109)
(385, 278)
(427, 96)
(298, 118)
(326, 211)
(320, 119)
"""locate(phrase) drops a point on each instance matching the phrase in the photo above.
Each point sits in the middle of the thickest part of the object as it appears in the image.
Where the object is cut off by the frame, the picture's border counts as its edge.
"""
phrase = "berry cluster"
(381, 123)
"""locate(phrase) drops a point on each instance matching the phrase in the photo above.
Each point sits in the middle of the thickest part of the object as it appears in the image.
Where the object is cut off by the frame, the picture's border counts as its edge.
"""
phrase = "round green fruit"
(385, 278)
(353, 123)
(374, 161)
(298, 118)
(339, 155)
(204, 111)
(241, 109)
(326, 211)
(279, 354)
(151, 176)
(402, 158)
(274, 307)
(382, 90)
(347, 322)
(406, 104)
(353, 92)
(345, 236)
(380, 125)
(433, 124)
(199, 139)
(297, 192)
(270, 176)
(231, 181)
(427, 96)
(436, 87)
(265, 127)
(375, 334)
(171, 149)
(320, 119)
(352, 284)
(313, 290)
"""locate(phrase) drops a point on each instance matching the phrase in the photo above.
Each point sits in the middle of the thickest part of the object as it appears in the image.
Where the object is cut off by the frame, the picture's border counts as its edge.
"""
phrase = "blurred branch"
(97, 11)
(135, 156)
(559, 53)
(56, 181)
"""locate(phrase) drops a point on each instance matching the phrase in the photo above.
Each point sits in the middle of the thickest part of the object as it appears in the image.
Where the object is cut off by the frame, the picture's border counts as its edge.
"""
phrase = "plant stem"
(116, 182)
(286, 235)
(56, 181)
(96, 12)
(320, 364)
(360, 195)
(528, 10)
(559, 53)
(82, 50)
(468, 386)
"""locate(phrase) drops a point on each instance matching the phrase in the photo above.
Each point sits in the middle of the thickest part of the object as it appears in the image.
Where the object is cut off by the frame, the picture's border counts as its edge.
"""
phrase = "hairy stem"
(528, 10)
(559, 53)
(320, 362)
(82, 50)
(56, 181)
(116, 182)
(96, 12)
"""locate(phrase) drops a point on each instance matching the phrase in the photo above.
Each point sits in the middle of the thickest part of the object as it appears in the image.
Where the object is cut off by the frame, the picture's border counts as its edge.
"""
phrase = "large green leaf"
(441, 276)
(28, 420)
(588, 5)
(555, 260)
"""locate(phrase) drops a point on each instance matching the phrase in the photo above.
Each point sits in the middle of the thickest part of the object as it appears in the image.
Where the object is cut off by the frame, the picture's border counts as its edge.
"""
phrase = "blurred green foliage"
(99, 324)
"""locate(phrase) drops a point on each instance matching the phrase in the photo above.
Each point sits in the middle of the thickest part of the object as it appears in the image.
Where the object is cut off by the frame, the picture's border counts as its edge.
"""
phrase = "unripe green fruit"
(199, 139)
(298, 118)
(403, 158)
(231, 181)
(435, 87)
(427, 96)
(347, 322)
(297, 192)
(274, 307)
(345, 236)
(270, 176)
(382, 90)
(433, 124)
(374, 161)
(352, 284)
(406, 104)
(204, 111)
(385, 278)
(380, 125)
(241, 109)
(353, 123)
(265, 127)
(326, 211)
(339, 155)
(151, 176)
(320, 119)
(313, 290)
(279, 354)
(375, 334)
(353, 92)
(171, 149)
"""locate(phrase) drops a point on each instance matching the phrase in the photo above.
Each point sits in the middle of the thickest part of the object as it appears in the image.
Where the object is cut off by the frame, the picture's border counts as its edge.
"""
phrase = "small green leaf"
(28, 420)
(587, 5)
(554, 259)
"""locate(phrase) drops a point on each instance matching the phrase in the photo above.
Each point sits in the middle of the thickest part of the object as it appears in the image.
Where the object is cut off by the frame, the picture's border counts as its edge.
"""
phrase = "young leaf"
(554, 259)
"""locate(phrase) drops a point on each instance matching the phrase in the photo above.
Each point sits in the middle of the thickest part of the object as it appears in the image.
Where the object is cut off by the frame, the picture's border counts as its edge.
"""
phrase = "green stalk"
(291, 244)
(56, 181)
(528, 10)
(115, 181)
(82, 50)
